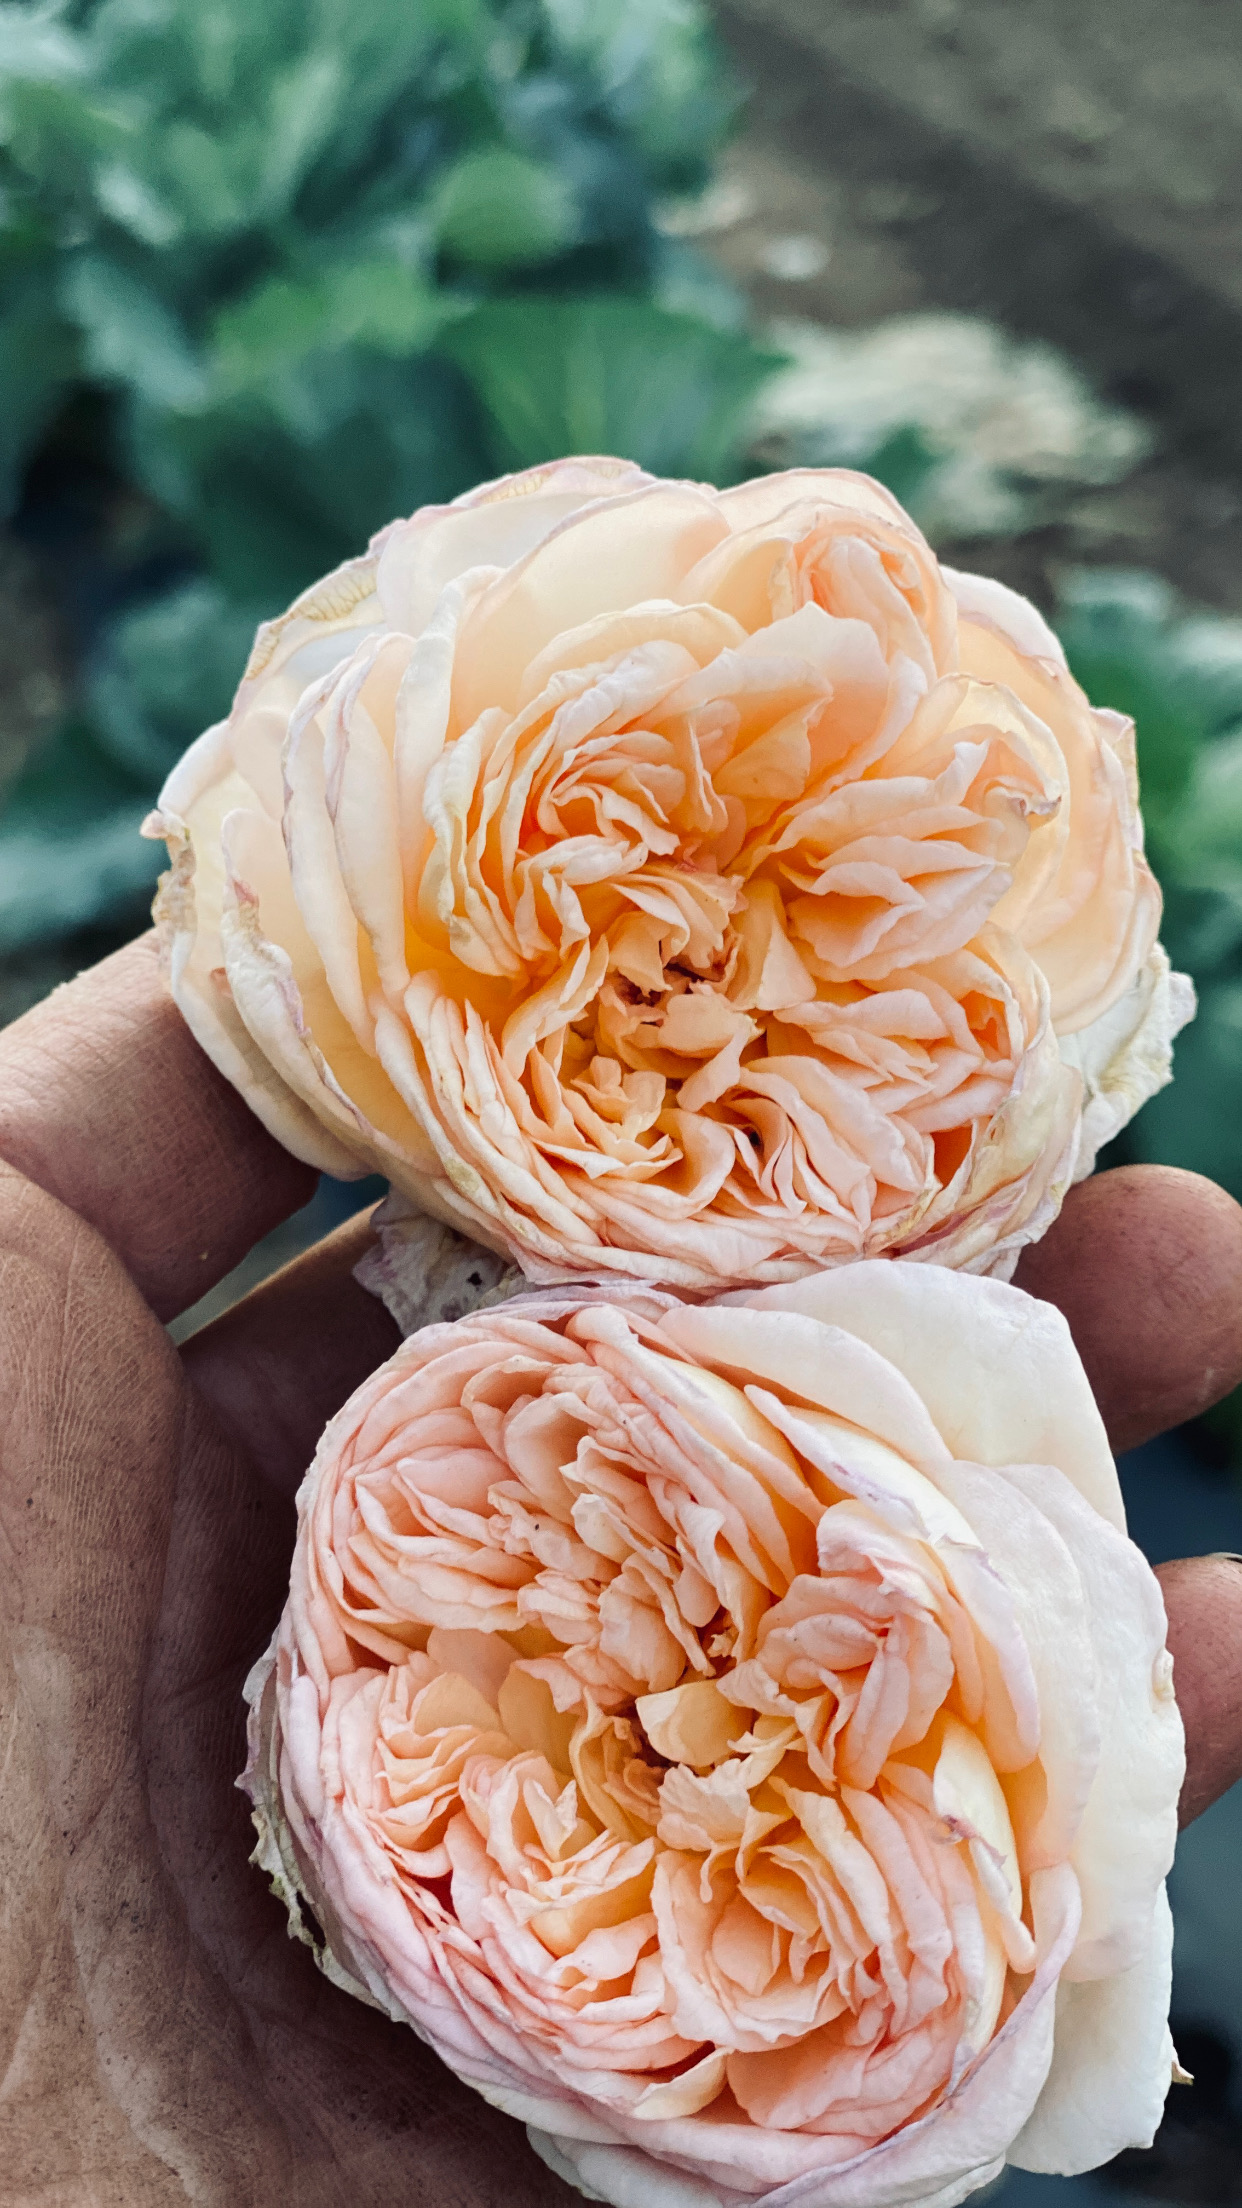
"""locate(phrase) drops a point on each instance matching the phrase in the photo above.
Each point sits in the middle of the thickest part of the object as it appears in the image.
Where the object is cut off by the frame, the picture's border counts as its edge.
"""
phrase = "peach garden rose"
(739, 1737)
(697, 886)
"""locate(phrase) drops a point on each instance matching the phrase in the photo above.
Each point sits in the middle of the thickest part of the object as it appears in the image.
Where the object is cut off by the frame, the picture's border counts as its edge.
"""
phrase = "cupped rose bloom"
(705, 887)
(739, 1737)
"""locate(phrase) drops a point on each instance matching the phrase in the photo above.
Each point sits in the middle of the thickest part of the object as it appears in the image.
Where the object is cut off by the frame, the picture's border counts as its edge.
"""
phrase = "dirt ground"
(1070, 168)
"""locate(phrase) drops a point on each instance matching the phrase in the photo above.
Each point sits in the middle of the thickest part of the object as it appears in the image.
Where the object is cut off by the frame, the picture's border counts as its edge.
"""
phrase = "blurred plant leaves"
(128, 336)
(611, 375)
(163, 671)
(69, 842)
(496, 208)
(237, 247)
(378, 303)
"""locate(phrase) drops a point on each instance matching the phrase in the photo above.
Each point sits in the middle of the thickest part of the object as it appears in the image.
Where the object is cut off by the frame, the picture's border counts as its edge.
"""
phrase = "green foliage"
(609, 375)
(69, 844)
(245, 221)
(309, 263)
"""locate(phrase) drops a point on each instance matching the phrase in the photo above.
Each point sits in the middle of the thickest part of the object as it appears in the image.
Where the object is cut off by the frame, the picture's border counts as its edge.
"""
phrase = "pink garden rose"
(700, 886)
(740, 1738)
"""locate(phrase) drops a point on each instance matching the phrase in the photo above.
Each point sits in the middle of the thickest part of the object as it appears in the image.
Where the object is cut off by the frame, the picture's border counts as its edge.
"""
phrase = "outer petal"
(282, 998)
(1027, 1400)
(195, 956)
(982, 599)
(494, 525)
(1039, 1568)
(1111, 2063)
(1095, 930)
(1127, 1054)
(1124, 1845)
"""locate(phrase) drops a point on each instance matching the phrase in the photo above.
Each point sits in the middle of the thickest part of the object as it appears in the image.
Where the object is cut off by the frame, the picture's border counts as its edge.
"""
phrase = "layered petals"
(739, 1736)
(702, 888)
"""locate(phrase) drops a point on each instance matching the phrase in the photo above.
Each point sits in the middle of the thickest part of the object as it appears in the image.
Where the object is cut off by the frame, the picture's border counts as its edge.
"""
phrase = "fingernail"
(1223, 1556)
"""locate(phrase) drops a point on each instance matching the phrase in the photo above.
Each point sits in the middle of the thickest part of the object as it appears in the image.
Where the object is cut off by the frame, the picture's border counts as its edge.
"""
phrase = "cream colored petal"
(320, 630)
(1111, 2064)
(1126, 1055)
(1028, 1400)
(765, 498)
(1038, 1567)
(981, 598)
(361, 799)
(685, 2094)
(493, 526)
(318, 889)
(1094, 926)
(295, 1024)
(199, 985)
(1124, 1845)
(703, 631)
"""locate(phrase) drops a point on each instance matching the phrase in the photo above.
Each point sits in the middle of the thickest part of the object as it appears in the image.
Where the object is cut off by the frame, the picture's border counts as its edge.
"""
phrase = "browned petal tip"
(1146, 1264)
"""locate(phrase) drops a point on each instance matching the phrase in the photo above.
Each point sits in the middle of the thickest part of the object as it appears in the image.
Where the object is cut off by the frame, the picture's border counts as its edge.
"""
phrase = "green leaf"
(276, 494)
(38, 356)
(37, 46)
(129, 336)
(613, 375)
(70, 849)
(498, 209)
(303, 108)
(381, 304)
(129, 200)
(904, 463)
(660, 72)
(164, 671)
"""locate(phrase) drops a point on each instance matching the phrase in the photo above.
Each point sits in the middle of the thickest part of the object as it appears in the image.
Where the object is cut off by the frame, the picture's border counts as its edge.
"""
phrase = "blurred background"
(272, 275)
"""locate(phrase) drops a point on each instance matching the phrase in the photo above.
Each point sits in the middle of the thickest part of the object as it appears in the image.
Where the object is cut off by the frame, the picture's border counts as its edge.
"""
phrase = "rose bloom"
(705, 887)
(739, 1738)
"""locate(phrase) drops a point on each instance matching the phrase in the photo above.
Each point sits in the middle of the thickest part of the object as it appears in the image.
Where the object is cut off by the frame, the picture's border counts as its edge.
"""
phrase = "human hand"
(161, 2038)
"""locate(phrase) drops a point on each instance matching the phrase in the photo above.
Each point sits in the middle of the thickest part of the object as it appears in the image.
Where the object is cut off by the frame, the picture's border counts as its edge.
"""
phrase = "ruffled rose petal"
(732, 1762)
(722, 891)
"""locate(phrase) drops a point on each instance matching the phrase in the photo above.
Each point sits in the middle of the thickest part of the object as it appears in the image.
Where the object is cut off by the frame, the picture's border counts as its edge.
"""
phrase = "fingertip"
(1203, 1599)
(108, 1103)
(1145, 1261)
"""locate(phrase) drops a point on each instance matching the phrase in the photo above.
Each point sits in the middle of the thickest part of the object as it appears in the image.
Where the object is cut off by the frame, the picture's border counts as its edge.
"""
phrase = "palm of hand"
(162, 2038)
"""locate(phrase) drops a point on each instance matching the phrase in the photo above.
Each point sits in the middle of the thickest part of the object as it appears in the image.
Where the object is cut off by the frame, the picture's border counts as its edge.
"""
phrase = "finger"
(277, 1365)
(161, 2038)
(107, 1102)
(98, 1975)
(1146, 1264)
(1203, 1598)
